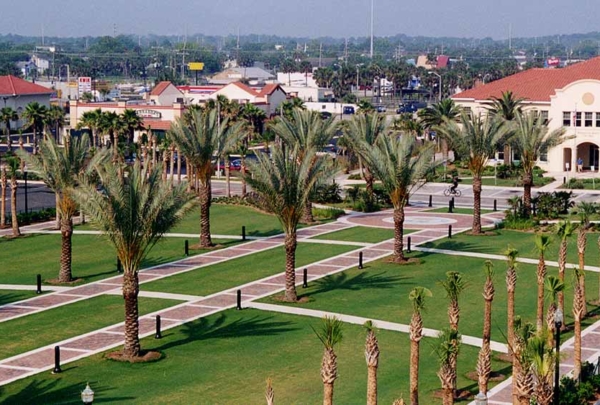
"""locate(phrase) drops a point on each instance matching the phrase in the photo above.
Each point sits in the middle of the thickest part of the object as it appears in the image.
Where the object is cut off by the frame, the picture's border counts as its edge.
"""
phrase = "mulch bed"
(145, 357)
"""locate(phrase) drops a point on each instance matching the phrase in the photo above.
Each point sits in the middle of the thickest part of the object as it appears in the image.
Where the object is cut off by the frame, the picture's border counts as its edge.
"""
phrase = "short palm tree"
(92, 121)
(543, 359)
(401, 166)
(55, 117)
(553, 286)
(447, 348)
(564, 230)
(523, 379)
(330, 334)
(417, 297)
(14, 164)
(484, 362)
(59, 168)
(270, 393)
(8, 115)
(134, 212)
(283, 182)
(372, 359)
(35, 115)
(541, 244)
(4, 187)
(511, 285)
(586, 210)
(477, 139)
(578, 315)
(454, 286)
(200, 140)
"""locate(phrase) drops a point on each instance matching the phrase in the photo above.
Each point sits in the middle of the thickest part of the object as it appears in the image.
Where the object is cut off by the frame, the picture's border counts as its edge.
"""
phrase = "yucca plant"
(484, 362)
(330, 334)
(417, 297)
(541, 244)
(511, 284)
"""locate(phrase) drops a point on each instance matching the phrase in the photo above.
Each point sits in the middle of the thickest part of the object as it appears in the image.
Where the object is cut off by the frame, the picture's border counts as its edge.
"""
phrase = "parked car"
(234, 165)
(348, 110)
(325, 115)
(410, 106)
(380, 108)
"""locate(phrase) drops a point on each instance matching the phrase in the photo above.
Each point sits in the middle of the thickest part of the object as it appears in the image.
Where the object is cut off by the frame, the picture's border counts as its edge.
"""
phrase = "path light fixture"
(481, 399)
(87, 395)
(558, 322)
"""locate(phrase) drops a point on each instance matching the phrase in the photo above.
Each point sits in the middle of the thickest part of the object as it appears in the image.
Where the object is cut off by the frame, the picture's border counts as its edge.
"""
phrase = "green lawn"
(226, 358)
(361, 234)
(93, 257)
(458, 210)
(218, 277)
(381, 292)
(8, 296)
(490, 181)
(46, 327)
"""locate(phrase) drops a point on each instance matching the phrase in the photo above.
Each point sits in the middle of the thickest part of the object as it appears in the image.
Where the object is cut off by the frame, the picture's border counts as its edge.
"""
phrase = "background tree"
(7, 115)
(13, 164)
(111, 124)
(55, 118)
(92, 121)
(484, 362)
(4, 187)
(35, 115)
(506, 108)
(578, 315)
(586, 210)
(330, 334)
(417, 297)
(130, 122)
(434, 116)
(372, 358)
(553, 286)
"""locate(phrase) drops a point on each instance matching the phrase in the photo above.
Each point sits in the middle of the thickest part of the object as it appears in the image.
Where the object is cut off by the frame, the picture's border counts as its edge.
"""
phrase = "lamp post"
(558, 321)
(87, 395)
(439, 84)
(481, 399)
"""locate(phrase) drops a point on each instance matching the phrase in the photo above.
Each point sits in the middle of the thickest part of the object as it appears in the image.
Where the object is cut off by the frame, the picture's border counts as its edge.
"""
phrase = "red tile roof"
(247, 89)
(12, 85)
(157, 125)
(269, 89)
(159, 88)
(535, 84)
(442, 61)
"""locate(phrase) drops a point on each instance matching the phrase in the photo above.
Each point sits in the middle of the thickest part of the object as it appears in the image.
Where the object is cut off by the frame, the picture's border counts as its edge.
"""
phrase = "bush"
(366, 203)
(327, 213)
(43, 215)
(328, 194)
(355, 176)
(552, 205)
(352, 193)
(575, 184)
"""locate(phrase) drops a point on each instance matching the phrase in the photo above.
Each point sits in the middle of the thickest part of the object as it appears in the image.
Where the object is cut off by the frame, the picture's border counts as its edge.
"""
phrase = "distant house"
(165, 93)
(234, 74)
(17, 93)
(267, 98)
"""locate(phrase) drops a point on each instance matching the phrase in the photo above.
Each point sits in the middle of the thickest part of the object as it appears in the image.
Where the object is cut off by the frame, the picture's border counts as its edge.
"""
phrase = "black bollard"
(119, 266)
(158, 334)
(56, 360)
(564, 180)
(430, 201)
(243, 233)
(534, 209)
(450, 207)
(453, 203)
(408, 201)
(39, 284)
(450, 231)
(239, 300)
(305, 279)
(495, 205)
(408, 244)
(360, 260)
(186, 247)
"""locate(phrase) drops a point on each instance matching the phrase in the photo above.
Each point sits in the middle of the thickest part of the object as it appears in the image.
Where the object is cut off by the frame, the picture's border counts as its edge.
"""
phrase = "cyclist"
(454, 185)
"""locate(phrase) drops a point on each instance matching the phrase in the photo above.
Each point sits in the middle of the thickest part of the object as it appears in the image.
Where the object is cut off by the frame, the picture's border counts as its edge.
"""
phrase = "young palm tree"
(511, 285)
(543, 359)
(59, 167)
(484, 362)
(91, 120)
(454, 286)
(270, 393)
(4, 186)
(564, 230)
(477, 139)
(578, 315)
(35, 114)
(8, 115)
(372, 359)
(531, 138)
(134, 212)
(447, 349)
(541, 244)
(310, 133)
(14, 164)
(283, 182)
(417, 297)
(523, 384)
(400, 166)
(553, 286)
(586, 210)
(199, 141)
(434, 115)
(364, 129)
(330, 334)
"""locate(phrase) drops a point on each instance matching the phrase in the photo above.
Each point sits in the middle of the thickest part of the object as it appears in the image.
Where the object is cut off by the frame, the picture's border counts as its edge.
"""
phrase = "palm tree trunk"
(562, 265)
(414, 372)
(172, 164)
(164, 163)
(178, 166)
(577, 348)
(371, 385)
(4, 185)
(581, 246)
(327, 393)
(13, 206)
(57, 202)
(369, 180)
(541, 276)
(244, 191)
(399, 234)
(66, 231)
(527, 183)
(131, 289)
(205, 239)
(290, 266)
(227, 177)
(484, 362)
(476, 204)
(511, 281)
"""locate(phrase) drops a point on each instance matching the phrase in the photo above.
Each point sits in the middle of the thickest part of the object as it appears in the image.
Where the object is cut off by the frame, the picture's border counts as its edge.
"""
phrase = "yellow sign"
(196, 66)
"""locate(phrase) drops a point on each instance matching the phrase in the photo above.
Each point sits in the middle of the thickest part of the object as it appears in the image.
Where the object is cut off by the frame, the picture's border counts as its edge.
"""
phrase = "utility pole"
(321, 53)
(509, 36)
(237, 58)
(114, 30)
(372, 20)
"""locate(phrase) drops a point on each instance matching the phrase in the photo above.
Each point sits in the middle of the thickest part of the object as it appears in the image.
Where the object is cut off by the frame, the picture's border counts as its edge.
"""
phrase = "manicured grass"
(381, 292)
(8, 296)
(361, 234)
(93, 257)
(226, 358)
(218, 277)
(46, 327)
(523, 241)
(458, 210)
(490, 181)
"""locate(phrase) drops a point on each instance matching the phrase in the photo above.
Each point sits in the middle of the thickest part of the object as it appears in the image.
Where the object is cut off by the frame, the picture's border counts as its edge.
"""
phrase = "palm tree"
(55, 117)
(541, 244)
(270, 393)
(564, 230)
(417, 297)
(578, 315)
(484, 362)
(505, 107)
(310, 133)
(434, 116)
(447, 349)
(4, 186)
(134, 212)
(511, 284)
(91, 120)
(454, 286)
(203, 138)
(330, 334)
(111, 123)
(586, 210)
(543, 359)
(531, 139)
(13, 167)
(7, 115)
(553, 286)
(372, 358)
(59, 167)
(35, 114)
(365, 107)
(477, 139)
(400, 166)
(523, 379)
(255, 117)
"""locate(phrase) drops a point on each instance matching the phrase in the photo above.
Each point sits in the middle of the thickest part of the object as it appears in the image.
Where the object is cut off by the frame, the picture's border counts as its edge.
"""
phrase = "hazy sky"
(313, 18)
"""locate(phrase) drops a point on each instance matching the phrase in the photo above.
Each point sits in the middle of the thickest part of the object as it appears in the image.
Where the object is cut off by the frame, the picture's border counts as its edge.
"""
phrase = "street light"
(558, 321)
(439, 84)
(481, 399)
(87, 395)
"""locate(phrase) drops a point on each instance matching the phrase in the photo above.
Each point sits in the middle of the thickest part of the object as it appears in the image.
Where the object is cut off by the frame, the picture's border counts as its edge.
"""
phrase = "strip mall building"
(568, 97)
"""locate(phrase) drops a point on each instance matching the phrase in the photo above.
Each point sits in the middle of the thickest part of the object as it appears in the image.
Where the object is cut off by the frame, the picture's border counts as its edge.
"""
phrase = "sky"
(305, 18)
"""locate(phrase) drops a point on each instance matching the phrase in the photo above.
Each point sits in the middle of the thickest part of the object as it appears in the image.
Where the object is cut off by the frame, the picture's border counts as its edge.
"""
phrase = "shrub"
(352, 193)
(551, 205)
(327, 213)
(366, 203)
(328, 194)
(575, 184)
(42, 215)
(355, 176)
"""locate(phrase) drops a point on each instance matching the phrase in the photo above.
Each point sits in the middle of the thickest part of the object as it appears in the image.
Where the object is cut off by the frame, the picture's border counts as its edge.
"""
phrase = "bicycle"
(448, 192)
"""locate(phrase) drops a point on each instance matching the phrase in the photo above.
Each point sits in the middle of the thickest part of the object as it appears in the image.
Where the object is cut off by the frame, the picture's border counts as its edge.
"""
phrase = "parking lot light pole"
(439, 84)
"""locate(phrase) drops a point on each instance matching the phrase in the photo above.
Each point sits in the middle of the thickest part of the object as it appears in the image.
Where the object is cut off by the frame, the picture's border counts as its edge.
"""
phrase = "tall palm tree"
(131, 122)
(434, 116)
(35, 114)
(55, 117)
(400, 165)
(523, 379)
(553, 286)
(8, 115)
(59, 167)
(511, 285)
(531, 138)
(541, 244)
(505, 107)
(111, 123)
(255, 117)
(134, 212)
(330, 334)
(578, 315)
(283, 182)
(586, 210)
(372, 359)
(477, 139)
(484, 362)
(447, 348)
(564, 230)
(364, 129)
(199, 141)
(92, 120)
(4, 186)
(417, 297)
(14, 164)
(454, 286)
(543, 359)
(310, 133)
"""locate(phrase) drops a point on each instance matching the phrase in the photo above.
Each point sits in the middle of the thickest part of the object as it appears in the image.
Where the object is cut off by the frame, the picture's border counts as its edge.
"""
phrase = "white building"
(17, 93)
(568, 97)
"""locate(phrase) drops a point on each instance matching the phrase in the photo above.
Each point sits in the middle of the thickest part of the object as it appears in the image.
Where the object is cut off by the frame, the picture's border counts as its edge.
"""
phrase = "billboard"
(196, 66)
(84, 85)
